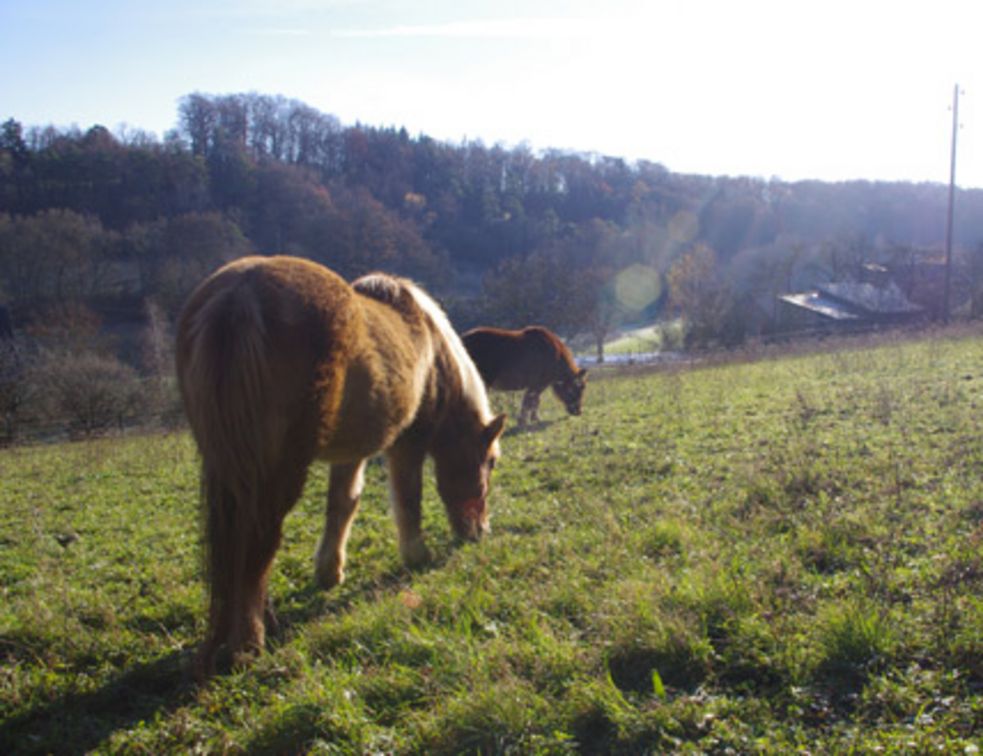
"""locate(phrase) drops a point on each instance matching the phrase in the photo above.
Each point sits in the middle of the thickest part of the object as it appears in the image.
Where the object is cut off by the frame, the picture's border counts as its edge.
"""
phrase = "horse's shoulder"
(540, 333)
(551, 345)
(543, 338)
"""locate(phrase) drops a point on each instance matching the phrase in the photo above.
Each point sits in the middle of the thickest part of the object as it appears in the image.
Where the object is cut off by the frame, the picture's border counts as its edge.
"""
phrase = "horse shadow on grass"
(536, 427)
(293, 611)
(79, 722)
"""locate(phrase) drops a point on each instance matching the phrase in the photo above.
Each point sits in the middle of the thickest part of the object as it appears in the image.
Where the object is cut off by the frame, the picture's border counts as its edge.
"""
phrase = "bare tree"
(14, 387)
(84, 393)
(704, 301)
(160, 387)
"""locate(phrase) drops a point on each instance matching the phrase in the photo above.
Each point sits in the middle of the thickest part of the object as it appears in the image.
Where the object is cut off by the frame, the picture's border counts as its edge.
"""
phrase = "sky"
(833, 90)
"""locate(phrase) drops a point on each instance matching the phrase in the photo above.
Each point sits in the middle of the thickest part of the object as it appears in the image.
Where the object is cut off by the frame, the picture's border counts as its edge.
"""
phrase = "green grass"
(647, 339)
(771, 556)
(654, 337)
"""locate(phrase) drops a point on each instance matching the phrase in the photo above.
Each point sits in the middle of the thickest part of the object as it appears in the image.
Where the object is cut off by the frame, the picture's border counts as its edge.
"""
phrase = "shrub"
(14, 389)
(84, 393)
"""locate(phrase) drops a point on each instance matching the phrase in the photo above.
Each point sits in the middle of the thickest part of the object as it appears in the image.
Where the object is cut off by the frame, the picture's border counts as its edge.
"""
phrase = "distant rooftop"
(845, 302)
(821, 305)
(874, 300)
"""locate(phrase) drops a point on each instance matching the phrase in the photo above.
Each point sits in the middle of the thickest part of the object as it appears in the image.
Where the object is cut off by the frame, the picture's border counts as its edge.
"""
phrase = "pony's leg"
(220, 506)
(524, 410)
(252, 608)
(241, 555)
(344, 489)
(247, 636)
(530, 407)
(406, 492)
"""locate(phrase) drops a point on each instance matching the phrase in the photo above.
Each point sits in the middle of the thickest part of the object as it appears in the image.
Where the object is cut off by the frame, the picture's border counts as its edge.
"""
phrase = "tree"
(845, 257)
(974, 270)
(198, 118)
(85, 392)
(181, 252)
(160, 395)
(15, 387)
(705, 302)
(55, 255)
(12, 140)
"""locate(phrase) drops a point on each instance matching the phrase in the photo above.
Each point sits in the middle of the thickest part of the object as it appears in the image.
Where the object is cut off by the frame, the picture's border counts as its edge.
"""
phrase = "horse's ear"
(582, 373)
(494, 429)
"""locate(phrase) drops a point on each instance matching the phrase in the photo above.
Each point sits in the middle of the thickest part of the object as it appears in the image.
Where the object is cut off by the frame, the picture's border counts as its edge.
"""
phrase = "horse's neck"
(460, 387)
(562, 368)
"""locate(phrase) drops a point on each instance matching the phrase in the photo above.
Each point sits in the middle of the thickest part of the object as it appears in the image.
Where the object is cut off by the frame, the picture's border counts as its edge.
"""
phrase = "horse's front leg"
(344, 489)
(530, 407)
(406, 491)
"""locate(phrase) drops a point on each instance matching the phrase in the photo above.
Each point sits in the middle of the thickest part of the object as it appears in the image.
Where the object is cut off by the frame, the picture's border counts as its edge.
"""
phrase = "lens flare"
(637, 287)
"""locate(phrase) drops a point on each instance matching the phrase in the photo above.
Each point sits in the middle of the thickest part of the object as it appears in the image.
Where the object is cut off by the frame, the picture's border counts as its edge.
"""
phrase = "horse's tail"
(223, 370)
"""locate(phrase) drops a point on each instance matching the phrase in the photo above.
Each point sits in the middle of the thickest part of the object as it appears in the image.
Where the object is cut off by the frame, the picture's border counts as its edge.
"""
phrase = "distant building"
(920, 275)
(848, 305)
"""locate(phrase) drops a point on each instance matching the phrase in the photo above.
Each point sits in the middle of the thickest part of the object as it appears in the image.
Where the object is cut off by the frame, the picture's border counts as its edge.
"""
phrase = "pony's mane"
(390, 289)
(380, 286)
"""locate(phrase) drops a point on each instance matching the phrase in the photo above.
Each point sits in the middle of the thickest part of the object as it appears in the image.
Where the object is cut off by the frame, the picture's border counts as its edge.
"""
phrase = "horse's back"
(508, 360)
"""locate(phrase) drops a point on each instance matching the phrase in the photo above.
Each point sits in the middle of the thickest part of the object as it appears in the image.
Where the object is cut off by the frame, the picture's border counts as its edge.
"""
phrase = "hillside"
(776, 555)
(114, 220)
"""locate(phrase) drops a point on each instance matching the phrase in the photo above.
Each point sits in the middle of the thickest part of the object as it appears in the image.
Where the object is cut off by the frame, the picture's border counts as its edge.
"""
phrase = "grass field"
(642, 340)
(770, 556)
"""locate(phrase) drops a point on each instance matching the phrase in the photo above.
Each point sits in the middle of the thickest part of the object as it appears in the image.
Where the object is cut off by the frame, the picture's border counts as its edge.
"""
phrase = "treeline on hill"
(98, 229)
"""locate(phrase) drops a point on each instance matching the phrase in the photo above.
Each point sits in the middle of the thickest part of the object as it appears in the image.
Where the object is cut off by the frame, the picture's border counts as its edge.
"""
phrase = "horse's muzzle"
(471, 519)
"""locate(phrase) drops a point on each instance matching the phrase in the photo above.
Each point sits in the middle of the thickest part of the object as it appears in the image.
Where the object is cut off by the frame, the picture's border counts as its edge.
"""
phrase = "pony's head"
(570, 390)
(464, 456)
(465, 445)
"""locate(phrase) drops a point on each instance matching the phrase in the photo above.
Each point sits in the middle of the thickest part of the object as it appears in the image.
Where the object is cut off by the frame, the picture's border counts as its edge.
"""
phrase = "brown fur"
(529, 360)
(280, 361)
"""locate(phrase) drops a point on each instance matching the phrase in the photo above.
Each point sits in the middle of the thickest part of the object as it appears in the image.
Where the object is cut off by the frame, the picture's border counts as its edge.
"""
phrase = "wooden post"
(952, 197)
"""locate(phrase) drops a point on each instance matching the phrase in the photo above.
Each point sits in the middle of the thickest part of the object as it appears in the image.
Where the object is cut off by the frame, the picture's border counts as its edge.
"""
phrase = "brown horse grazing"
(280, 361)
(530, 359)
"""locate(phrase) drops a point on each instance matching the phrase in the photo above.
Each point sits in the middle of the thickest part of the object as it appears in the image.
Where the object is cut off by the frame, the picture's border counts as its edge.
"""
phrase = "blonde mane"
(386, 287)
(474, 387)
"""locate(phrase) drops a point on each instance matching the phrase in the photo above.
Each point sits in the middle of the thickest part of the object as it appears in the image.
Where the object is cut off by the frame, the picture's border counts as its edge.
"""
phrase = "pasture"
(768, 556)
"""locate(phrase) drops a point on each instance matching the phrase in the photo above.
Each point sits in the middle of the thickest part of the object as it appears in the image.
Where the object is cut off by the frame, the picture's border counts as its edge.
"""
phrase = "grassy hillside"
(771, 556)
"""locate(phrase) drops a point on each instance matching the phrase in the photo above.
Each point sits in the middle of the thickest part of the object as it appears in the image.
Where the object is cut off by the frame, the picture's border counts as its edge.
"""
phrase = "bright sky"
(838, 89)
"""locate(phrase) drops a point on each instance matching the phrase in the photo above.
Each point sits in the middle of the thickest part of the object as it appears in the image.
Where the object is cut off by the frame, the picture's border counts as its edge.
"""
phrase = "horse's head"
(570, 390)
(464, 456)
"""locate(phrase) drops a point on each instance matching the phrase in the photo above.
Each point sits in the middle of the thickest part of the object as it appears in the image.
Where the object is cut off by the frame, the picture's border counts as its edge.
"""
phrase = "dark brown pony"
(280, 361)
(530, 359)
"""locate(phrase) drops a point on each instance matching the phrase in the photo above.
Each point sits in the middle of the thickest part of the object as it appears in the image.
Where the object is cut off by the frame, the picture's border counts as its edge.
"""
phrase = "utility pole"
(952, 199)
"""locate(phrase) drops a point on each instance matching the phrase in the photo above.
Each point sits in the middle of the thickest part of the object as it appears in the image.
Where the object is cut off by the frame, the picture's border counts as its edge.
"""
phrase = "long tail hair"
(225, 382)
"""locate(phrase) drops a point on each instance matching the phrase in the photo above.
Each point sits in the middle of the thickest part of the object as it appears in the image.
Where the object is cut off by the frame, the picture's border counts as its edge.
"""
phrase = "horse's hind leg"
(406, 492)
(230, 545)
(248, 632)
(344, 489)
(241, 553)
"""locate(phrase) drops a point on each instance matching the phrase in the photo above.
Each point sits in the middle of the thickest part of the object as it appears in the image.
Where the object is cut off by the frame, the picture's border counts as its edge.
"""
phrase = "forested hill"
(501, 234)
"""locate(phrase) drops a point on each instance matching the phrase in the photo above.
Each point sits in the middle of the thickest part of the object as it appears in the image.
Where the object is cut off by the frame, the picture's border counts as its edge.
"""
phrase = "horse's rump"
(252, 346)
